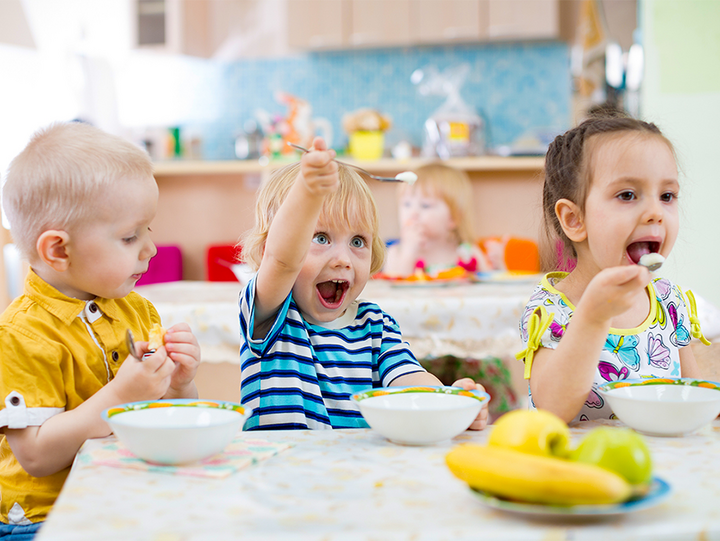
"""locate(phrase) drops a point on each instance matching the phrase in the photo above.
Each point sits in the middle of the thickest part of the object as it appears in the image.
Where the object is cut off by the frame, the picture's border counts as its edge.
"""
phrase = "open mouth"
(638, 249)
(332, 293)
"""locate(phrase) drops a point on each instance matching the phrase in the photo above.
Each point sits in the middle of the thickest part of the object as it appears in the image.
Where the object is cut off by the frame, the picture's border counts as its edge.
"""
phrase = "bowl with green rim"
(420, 415)
(663, 406)
(176, 431)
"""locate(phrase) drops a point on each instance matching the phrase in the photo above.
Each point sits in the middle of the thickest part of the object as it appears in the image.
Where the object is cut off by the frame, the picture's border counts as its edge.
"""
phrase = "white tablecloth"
(348, 485)
(465, 320)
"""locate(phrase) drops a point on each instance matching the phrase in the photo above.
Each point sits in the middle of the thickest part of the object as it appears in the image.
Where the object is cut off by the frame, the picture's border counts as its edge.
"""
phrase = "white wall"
(681, 93)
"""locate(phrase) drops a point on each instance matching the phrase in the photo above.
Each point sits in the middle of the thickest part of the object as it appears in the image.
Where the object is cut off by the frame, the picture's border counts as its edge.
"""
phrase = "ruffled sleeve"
(537, 325)
(694, 320)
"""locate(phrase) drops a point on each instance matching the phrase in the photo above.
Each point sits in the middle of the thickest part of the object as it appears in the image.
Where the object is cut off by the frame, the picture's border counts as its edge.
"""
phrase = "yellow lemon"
(533, 432)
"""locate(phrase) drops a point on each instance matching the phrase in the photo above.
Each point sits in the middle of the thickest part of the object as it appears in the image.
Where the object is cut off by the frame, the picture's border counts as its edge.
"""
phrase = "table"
(464, 320)
(355, 485)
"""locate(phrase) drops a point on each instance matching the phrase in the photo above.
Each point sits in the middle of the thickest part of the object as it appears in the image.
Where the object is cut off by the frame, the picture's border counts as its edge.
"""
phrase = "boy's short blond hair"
(452, 186)
(55, 182)
(352, 203)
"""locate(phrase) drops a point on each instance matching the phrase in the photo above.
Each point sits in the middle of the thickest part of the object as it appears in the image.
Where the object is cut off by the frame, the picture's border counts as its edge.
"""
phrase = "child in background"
(309, 343)
(79, 202)
(611, 195)
(436, 231)
(436, 234)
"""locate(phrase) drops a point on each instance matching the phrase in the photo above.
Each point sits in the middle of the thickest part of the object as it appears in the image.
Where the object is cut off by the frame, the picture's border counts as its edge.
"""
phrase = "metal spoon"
(405, 176)
(130, 343)
(652, 261)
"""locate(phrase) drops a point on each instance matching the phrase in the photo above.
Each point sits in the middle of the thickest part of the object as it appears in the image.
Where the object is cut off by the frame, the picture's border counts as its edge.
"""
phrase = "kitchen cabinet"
(345, 24)
(438, 21)
(232, 29)
(203, 203)
(318, 24)
(523, 19)
(379, 23)
(221, 29)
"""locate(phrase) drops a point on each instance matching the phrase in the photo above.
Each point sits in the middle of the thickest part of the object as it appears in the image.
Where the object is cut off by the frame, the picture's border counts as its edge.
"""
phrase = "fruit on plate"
(621, 450)
(532, 478)
(535, 432)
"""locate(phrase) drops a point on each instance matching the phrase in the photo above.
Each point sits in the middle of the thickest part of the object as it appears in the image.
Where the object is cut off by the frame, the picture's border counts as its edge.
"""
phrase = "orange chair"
(520, 255)
(219, 262)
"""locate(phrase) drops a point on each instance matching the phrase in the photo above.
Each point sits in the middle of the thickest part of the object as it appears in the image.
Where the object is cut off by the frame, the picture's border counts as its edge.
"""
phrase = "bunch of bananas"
(528, 459)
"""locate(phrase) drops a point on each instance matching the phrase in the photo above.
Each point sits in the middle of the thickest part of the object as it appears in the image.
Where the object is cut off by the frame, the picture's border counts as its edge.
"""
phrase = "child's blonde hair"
(454, 188)
(352, 203)
(54, 183)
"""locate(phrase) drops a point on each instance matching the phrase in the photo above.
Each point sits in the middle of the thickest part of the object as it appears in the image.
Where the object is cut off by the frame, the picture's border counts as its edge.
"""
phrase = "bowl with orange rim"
(176, 431)
(420, 415)
(663, 406)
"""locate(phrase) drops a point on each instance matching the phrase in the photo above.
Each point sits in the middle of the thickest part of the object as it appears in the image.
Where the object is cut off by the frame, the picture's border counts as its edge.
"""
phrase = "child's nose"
(341, 257)
(149, 250)
(654, 212)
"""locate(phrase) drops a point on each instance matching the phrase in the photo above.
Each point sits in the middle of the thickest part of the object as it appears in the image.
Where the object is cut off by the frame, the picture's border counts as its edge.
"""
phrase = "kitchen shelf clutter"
(212, 202)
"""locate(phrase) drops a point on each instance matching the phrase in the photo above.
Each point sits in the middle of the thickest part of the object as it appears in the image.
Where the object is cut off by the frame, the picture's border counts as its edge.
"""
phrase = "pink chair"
(166, 266)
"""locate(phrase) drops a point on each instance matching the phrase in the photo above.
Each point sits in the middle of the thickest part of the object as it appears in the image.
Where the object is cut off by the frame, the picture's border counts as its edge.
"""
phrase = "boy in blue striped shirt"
(309, 343)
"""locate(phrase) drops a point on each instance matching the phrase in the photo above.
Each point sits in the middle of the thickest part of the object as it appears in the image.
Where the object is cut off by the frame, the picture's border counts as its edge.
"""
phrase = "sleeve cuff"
(17, 415)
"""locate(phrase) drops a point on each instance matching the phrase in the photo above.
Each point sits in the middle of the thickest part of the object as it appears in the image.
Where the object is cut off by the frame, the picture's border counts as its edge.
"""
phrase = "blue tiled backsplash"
(516, 87)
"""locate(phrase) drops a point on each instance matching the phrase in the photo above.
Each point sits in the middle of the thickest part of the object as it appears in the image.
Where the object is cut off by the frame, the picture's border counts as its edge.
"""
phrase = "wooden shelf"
(480, 163)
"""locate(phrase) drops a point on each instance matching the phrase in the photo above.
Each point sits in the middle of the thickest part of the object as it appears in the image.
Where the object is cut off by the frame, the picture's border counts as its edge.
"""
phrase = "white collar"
(343, 321)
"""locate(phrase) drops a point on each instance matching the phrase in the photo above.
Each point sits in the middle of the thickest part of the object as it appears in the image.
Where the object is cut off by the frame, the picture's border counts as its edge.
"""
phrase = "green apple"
(620, 450)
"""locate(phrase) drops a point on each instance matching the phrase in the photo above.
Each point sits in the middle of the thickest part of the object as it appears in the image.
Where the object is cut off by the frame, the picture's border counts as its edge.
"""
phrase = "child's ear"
(52, 249)
(571, 220)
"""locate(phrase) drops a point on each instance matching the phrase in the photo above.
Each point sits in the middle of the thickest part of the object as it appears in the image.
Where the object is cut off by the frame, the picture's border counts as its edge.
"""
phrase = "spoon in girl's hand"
(652, 261)
(405, 176)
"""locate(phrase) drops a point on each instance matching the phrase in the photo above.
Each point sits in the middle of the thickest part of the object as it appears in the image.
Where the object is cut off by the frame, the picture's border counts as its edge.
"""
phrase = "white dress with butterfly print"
(650, 350)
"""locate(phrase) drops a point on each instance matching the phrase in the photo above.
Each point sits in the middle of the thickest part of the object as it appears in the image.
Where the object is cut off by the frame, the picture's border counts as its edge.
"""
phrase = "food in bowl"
(177, 431)
(420, 415)
(663, 406)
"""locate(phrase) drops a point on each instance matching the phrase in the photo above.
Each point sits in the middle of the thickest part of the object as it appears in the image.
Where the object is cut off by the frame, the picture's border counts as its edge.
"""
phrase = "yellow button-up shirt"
(55, 353)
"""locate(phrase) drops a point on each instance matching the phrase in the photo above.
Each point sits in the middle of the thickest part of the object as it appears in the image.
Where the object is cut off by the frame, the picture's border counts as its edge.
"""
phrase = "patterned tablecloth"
(464, 320)
(355, 485)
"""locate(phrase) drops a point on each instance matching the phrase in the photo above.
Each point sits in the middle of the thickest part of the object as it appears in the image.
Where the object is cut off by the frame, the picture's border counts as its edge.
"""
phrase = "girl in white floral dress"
(610, 196)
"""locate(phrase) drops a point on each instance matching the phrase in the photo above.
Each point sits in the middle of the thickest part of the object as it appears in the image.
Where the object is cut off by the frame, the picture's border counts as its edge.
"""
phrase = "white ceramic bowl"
(176, 431)
(420, 415)
(663, 406)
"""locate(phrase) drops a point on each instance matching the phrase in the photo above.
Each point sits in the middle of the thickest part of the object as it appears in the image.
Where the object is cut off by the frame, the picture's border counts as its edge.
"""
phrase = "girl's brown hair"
(568, 174)
(352, 203)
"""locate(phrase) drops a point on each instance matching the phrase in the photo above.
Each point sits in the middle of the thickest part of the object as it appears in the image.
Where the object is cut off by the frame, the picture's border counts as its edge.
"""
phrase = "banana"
(533, 478)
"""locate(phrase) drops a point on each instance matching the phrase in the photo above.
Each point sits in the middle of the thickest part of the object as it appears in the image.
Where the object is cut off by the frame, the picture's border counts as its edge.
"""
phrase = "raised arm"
(562, 378)
(292, 230)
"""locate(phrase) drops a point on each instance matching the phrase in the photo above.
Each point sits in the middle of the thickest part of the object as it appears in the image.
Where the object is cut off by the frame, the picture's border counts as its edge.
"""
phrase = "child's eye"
(321, 238)
(130, 240)
(358, 242)
(626, 196)
(668, 197)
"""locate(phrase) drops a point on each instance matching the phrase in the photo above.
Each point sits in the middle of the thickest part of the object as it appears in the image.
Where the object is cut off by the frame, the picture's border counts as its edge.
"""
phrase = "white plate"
(659, 490)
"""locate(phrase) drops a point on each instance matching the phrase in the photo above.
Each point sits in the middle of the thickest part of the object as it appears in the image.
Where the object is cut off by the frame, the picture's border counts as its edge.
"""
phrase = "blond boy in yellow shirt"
(80, 202)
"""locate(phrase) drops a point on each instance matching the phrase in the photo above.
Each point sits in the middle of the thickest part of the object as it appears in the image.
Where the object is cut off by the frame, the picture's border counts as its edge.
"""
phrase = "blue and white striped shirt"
(302, 375)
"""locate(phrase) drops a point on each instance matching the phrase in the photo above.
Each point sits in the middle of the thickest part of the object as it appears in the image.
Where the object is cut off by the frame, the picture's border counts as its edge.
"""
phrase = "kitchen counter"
(479, 163)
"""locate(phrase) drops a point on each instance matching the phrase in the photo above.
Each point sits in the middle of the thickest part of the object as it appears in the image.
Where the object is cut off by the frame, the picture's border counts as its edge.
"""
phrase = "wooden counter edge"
(480, 163)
